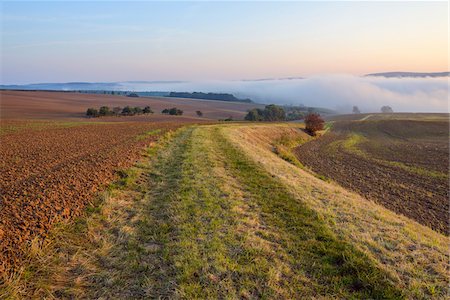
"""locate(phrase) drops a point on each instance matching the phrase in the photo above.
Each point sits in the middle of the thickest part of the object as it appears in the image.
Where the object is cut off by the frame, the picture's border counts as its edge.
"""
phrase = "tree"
(255, 114)
(175, 112)
(199, 113)
(271, 112)
(274, 112)
(127, 111)
(356, 110)
(147, 110)
(104, 111)
(172, 111)
(386, 109)
(314, 123)
(92, 112)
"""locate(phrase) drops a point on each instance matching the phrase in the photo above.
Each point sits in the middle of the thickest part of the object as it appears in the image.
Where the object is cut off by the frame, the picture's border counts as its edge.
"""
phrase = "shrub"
(314, 123)
(199, 113)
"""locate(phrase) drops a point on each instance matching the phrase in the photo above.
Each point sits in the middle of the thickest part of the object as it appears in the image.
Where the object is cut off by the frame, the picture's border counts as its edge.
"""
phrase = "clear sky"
(118, 41)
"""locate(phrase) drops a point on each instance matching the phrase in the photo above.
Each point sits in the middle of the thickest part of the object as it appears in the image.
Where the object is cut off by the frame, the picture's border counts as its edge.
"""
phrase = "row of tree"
(208, 96)
(117, 111)
(172, 111)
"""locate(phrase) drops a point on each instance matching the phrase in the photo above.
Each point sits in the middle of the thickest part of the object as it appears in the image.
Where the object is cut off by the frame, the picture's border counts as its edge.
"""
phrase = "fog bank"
(339, 92)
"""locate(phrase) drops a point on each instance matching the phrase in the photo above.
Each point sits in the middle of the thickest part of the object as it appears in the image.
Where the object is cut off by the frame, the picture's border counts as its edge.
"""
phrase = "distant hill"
(86, 86)
(409, 74)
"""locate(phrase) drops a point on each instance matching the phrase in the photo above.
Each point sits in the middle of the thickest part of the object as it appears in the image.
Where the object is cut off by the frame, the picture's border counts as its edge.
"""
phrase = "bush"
(199, 113)
(92, 112)
(314, 123)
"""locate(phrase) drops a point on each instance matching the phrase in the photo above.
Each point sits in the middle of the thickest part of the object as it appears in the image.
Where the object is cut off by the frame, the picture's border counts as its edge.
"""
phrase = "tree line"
(208, 96)
(117, 111)
(173, 111)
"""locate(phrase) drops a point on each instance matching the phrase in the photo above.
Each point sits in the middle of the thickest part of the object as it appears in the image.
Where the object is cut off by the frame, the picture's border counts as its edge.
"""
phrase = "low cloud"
(339, 92)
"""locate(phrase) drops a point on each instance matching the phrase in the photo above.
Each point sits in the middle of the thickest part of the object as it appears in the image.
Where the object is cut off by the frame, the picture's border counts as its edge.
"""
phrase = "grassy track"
(205, 220)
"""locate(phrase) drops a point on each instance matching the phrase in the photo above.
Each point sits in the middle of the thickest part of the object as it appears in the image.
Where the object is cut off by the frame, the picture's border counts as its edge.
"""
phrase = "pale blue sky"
(116, 41)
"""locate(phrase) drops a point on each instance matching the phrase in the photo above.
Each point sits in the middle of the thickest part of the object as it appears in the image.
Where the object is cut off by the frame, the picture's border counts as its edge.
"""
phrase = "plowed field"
(401, 164)
(63, 105)
(51, 170)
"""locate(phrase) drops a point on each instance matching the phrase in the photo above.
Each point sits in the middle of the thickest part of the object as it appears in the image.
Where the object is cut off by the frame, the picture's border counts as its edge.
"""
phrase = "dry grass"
(413, 254)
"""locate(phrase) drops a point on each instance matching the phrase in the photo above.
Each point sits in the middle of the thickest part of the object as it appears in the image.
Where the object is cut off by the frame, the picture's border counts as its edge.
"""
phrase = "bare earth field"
(51, 170)
(63, 105)
(400, 161)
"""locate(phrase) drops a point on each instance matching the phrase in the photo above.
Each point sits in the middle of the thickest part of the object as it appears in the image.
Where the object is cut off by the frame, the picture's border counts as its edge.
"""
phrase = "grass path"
(204, 218)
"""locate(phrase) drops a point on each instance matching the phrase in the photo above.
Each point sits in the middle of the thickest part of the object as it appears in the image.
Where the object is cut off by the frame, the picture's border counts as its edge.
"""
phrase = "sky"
(198, 41)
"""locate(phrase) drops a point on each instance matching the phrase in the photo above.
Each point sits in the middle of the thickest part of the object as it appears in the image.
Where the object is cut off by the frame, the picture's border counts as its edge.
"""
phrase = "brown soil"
(51, 170)
(373, 171)
(51, 105)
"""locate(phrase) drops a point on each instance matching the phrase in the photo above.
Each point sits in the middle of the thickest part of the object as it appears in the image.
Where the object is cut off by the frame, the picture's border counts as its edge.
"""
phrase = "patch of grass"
(415, 169)
(351, 143)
